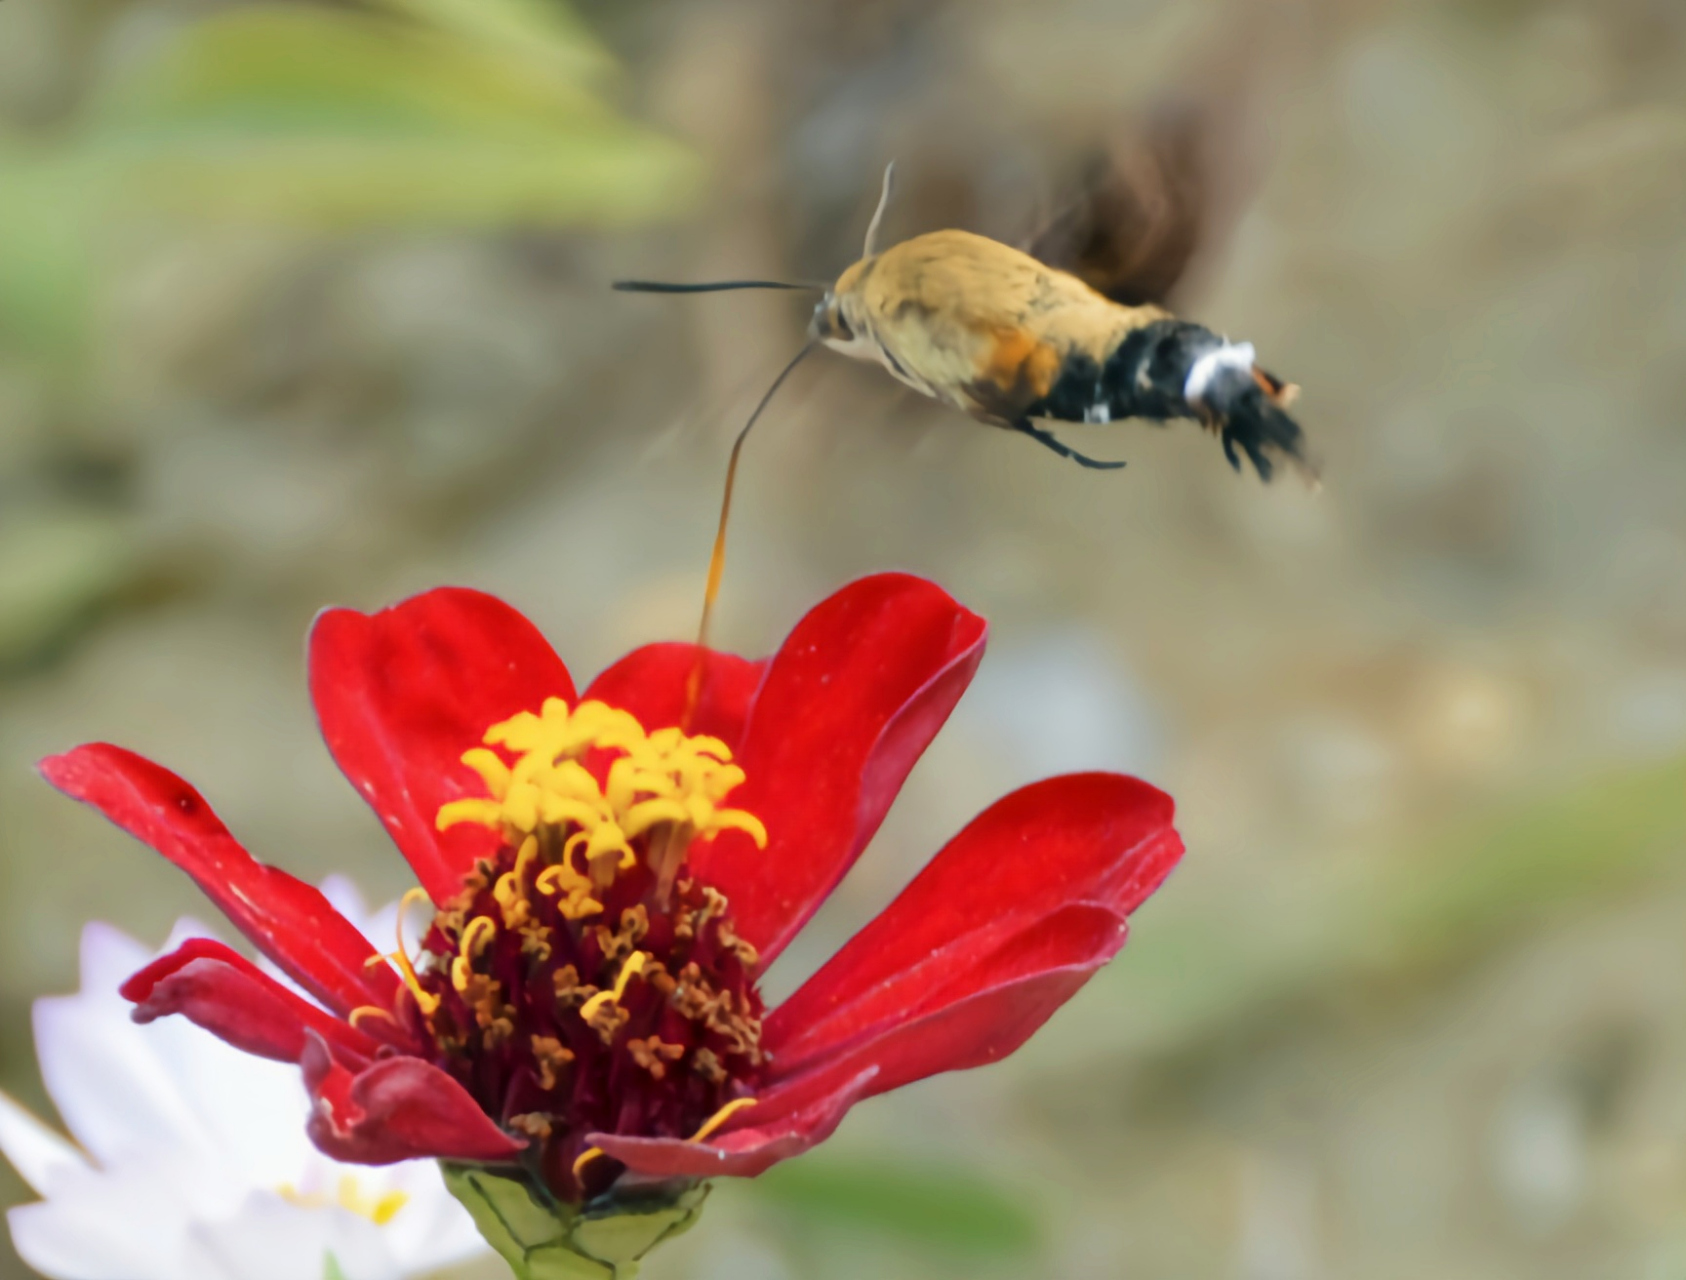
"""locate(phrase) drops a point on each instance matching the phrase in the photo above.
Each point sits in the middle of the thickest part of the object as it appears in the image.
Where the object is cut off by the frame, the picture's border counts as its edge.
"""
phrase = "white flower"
(191, 1160)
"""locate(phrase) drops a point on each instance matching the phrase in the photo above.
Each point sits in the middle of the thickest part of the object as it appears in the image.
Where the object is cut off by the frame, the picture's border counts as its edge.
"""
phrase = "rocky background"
(1416, 1002)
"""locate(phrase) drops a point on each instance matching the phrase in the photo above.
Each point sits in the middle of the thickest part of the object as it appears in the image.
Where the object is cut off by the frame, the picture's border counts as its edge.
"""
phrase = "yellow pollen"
(585, 1158)
(668, 786)
(720, 1117)
(634, 966)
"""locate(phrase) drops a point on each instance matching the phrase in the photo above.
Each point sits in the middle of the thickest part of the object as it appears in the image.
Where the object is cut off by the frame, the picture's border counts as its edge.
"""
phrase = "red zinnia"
(585, 1002)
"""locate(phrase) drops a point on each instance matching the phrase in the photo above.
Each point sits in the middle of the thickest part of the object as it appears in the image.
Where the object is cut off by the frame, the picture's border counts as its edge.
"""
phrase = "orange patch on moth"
(1019, 361)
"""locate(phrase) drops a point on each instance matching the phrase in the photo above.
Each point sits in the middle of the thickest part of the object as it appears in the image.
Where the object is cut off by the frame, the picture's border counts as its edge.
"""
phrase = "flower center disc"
(581, 981)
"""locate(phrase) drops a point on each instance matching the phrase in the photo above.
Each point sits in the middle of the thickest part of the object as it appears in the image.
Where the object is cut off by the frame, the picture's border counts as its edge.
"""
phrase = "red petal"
(848, 704)
(1042, 969)
(399, 1109)
(1089, 838)
(744, 1152)
(653, 682)
(1058, 956)
(291, 923)
(232, 998)
(402, 693)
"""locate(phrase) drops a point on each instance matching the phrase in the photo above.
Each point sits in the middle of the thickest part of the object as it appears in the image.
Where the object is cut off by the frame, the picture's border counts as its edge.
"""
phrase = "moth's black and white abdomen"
(1171, 369)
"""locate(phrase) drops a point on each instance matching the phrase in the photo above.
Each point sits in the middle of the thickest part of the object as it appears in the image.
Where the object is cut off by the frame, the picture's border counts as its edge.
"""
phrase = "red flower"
(585, 998)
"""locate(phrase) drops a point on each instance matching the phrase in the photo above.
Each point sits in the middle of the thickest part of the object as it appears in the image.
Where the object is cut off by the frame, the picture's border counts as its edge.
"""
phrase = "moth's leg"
(1049, 440)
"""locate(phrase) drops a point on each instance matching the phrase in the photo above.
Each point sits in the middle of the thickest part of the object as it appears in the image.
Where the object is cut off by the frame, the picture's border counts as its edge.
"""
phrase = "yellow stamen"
(576, 901)
(379, 1210)
(644, 815)
(491, 768)
(475, 938)
(424, 1001)
(510, 889)
(560, 878)
(370, 1011)
(667, 787)
(586, 1157)
(385, 1209)
(744, 821)
(485, 812)
(720, 1117)
(632, 968)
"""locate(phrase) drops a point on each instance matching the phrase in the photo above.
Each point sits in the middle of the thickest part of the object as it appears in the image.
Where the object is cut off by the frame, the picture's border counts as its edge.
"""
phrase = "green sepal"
(544, 1239)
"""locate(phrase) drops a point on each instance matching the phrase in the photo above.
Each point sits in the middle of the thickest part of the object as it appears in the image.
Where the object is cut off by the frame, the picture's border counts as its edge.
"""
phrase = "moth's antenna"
(717, 560)
(713, 286)
(878, 213)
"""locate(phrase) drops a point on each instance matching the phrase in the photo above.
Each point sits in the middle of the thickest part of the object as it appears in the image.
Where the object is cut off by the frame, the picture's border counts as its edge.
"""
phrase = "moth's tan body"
(972, 322)
(1014, 339)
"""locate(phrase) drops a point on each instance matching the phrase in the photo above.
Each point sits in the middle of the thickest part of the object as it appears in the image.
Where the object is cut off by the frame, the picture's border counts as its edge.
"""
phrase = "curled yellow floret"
(667, 786)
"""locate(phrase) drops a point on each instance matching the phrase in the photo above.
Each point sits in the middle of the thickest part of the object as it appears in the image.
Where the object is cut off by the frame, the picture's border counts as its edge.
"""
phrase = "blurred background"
(307, 303)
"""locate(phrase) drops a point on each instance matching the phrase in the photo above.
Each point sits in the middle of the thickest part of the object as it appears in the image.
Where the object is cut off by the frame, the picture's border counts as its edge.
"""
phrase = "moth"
(1070, 328)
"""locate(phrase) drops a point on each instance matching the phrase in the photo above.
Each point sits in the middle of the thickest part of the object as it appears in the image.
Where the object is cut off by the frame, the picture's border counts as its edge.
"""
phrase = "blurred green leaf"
(348, 185)
(47, 251)
(348, 121)
(451, 114)
(541, 30)
(319, 73)
(939, 1206)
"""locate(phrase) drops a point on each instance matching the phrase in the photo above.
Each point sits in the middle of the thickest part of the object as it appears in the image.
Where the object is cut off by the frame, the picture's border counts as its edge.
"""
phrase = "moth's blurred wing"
(1160, 190)
(1139, 211)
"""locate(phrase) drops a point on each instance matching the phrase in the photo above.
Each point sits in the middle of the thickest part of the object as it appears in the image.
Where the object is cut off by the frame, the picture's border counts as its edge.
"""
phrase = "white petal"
(252, 1110)
(114, 1094)
(35, 1150)
(124, 1088)
(190, 1141)
(102, 1226)
(66, 1242)
(271, 1239)
(346, 898)
(108, 957)
(432, 1230)
(98, 1066)
(186, 927)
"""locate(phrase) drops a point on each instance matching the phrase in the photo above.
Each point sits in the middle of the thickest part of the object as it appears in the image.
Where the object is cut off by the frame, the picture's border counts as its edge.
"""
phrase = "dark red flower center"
(582, 981)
